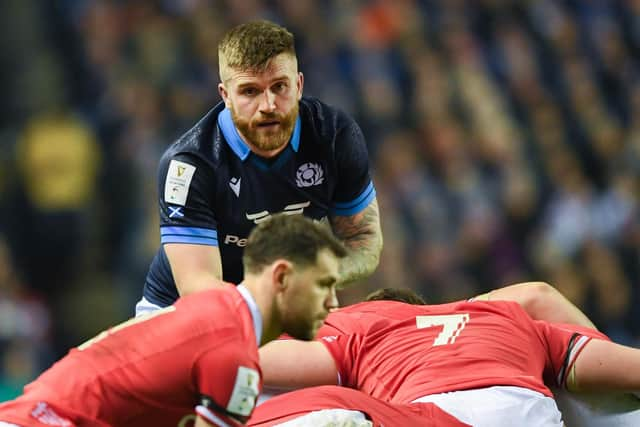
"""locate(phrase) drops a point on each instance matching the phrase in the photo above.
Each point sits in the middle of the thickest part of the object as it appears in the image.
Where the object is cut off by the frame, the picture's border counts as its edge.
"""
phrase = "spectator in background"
(58, 162)
(25, 346)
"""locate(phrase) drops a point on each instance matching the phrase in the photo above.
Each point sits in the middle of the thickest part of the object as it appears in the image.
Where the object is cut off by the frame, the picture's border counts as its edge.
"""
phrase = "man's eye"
(249, 92)
(279, 87)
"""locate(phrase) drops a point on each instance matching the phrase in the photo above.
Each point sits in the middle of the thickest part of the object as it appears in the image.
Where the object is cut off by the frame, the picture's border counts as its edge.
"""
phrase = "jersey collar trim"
(236, 143)
(253, 308)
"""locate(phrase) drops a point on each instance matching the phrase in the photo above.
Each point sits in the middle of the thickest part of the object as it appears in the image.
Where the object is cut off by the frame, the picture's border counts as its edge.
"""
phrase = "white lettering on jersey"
(176, 186)
(293, 209)
(45, 414)
(452, 325)
(230, 239)
(245, 391)
(258, 217)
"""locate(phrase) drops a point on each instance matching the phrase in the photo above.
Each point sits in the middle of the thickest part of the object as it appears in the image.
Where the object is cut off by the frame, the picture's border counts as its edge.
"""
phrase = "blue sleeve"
(354, 187)
(186, 189)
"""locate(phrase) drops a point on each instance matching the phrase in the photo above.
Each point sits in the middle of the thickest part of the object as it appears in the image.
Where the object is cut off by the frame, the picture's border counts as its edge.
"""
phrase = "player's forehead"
(328, 262)
(326, 266)
(280, 67)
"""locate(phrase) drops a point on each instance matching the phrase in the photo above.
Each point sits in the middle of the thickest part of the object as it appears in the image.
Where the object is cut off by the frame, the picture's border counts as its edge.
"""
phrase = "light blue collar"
(253, 308)
(236, 143)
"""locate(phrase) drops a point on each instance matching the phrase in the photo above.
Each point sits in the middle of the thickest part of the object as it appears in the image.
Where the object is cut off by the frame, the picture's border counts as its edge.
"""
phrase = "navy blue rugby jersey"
(213, 190)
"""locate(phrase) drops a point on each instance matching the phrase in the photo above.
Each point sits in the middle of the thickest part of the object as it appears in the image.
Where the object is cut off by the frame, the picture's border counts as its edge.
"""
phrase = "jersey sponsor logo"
(176, 186)
(45, 414)
(309, 174)
(293, 209)
(230, 239)
(234, 183)
(245, 391)
(258, 217)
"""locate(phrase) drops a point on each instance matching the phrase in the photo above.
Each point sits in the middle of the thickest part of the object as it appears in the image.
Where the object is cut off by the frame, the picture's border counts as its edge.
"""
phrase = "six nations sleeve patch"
(176, 186)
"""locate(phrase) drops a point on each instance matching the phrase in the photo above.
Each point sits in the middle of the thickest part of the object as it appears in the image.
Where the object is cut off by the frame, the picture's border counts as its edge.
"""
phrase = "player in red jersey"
(200, 353)
(336, 406)
(404, 353)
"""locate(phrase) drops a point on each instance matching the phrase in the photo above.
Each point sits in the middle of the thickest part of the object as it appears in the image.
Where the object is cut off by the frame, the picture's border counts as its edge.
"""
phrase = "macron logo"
(234, 183)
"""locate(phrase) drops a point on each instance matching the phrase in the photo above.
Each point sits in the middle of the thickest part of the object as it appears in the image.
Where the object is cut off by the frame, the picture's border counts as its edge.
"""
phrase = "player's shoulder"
(203, 142)
(495, 308)
(324, 120)
(399, 310)
(222, 307)
(364, 314)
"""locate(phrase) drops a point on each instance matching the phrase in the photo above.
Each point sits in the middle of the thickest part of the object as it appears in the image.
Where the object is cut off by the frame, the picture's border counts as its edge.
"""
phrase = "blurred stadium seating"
(504, 137)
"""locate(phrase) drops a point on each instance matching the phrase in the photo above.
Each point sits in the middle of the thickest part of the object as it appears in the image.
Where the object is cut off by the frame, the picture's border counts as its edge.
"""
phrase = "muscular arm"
(291, 364)
(194, 267)
(362, 234)
(542, 302)
(606, 366)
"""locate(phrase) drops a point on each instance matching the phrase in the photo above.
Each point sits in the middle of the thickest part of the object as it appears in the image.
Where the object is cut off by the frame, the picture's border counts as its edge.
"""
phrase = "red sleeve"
(228, 380)
(564, 344)
(343, 348)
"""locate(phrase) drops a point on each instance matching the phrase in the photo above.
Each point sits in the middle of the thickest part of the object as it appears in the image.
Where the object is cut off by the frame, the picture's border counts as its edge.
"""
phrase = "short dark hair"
(292, 237)
(405, 295)
(250, 46)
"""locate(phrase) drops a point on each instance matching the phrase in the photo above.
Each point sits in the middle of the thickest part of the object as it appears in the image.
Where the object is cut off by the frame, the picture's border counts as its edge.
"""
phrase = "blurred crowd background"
(504, 138)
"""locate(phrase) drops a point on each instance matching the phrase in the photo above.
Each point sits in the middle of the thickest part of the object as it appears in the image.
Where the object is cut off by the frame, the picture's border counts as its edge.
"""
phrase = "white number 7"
(452, 324)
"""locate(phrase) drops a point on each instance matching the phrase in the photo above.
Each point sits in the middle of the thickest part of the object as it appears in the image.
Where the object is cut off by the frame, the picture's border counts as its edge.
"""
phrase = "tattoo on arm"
(362, 234)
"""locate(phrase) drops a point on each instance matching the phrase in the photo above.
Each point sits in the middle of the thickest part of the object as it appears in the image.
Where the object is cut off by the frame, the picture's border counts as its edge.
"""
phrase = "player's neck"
(264, 299)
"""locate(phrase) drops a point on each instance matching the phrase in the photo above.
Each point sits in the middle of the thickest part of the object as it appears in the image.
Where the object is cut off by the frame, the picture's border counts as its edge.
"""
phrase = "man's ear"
(300, 84)
(222, 90)
(280, 272)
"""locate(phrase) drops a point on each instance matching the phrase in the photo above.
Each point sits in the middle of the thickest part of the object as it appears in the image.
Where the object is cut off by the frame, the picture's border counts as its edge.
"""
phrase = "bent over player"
(196, 359)
(483, 362)
(264, 149)
(331, 406)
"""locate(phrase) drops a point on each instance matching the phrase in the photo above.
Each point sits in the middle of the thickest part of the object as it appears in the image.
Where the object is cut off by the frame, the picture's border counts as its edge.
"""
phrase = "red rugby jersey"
(154, 370)
(399, 352)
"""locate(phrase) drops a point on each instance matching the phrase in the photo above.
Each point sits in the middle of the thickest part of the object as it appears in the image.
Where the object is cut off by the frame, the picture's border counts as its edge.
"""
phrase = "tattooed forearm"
(361, 233)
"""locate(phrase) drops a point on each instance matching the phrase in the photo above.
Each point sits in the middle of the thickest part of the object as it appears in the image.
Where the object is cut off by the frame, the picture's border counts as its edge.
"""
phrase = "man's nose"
(332, 300)
(268, 102)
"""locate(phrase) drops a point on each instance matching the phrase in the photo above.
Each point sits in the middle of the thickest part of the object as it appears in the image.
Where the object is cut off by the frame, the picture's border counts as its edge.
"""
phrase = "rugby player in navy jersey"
(264, 149)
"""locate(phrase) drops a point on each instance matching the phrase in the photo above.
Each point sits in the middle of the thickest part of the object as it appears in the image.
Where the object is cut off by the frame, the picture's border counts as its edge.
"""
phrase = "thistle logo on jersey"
(293, 209)
(309, 174)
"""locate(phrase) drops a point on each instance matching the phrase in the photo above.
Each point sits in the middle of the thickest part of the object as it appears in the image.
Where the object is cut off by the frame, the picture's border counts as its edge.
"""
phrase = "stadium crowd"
(504, 137)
